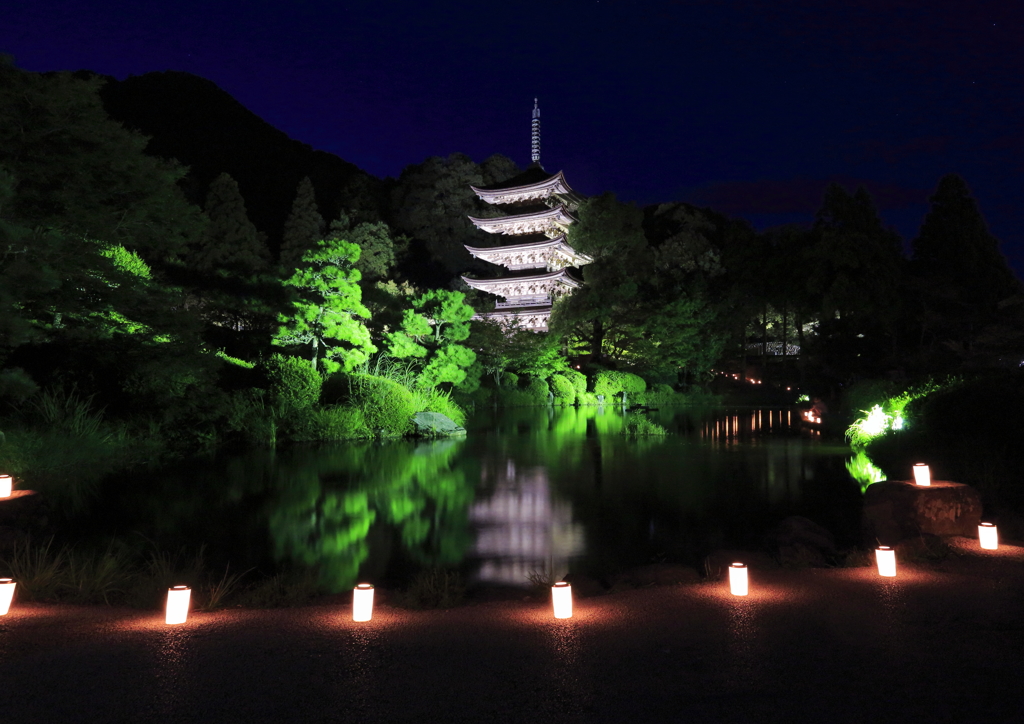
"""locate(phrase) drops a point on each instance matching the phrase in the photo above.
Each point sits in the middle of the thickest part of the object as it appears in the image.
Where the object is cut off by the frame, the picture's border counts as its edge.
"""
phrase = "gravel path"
(942, 643)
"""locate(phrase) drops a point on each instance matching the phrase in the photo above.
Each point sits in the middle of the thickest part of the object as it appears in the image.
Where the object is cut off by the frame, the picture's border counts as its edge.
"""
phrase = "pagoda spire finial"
(535, 134)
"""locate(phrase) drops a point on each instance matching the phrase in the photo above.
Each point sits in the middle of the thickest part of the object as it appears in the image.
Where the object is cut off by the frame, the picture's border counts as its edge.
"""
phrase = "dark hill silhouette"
(194, 121)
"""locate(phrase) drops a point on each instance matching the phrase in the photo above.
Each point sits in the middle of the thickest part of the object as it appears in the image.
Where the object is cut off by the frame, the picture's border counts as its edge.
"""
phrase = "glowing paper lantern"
(561, 599)
(6, 485)
(362, 602)
(922, 475)
(6, 594)
(738, 579)
(886, 559)
(988, 535)
(177, 604)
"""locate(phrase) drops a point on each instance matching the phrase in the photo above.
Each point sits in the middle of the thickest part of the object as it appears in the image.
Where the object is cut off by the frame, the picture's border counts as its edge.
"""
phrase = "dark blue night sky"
(749, 107)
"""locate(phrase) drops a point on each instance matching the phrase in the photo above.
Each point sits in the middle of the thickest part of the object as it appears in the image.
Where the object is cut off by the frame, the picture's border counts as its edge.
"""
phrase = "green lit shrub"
(578, 379)
(587, 398)
(293, 383)
(387, 406)
(437, 400)
(509, 379)
(637, 425)
(563, 389)
(331, 423)
(633, 384)
(608, 383)
(538, 390)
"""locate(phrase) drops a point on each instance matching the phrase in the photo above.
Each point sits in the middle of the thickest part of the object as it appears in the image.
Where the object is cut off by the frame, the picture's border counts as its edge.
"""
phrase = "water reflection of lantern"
(561, 599)
(362, 602)
(886, 559)
(6, 485)
(6, 594)
(177, 604)
(922, 475)
(988, 536)
(738, 579)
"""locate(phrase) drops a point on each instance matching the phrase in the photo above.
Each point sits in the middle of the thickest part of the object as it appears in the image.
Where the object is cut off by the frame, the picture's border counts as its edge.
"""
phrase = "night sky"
(749, 107)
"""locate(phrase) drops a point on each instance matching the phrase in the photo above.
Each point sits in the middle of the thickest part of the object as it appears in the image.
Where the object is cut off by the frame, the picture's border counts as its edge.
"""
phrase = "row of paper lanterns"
(178, 597)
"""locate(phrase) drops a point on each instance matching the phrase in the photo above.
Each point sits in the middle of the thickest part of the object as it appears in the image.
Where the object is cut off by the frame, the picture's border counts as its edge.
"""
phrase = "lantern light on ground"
(886, 559)
(6, 594)
(922, 475)
(738, 579)
(177, 604)
(362, 602)
(561, 599)
(6, 486)
(988, 536)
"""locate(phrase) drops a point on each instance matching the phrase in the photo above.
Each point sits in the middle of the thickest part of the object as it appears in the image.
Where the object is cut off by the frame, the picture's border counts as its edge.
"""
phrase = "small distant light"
(988, 536)
(177, 604)
(561, 599)
(886, 559)
(738, 579)
(362, 602)
(6, 486)
(6, 594)
(922, 475)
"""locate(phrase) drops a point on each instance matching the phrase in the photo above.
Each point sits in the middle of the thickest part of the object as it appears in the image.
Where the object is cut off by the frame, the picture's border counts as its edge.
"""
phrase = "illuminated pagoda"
(538, 208)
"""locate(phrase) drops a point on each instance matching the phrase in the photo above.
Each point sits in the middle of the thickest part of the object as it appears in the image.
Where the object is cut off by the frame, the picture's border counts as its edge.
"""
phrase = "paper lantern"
(362, 602)
(922, 475)
(6, 486)
(561, 599)
(738, 579)
(6, 594)
(988, 535)
(886, 559)
(177, 604)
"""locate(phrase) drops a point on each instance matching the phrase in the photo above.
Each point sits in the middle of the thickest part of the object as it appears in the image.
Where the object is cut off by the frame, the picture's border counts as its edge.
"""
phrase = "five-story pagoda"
(538, 206)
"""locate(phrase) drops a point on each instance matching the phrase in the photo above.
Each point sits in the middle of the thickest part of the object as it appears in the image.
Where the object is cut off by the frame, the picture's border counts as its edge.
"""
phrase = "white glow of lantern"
(6, 594)
(362, 602)
(886, 559)
(922, 475)
(738, 579)
(988, 536)
(6, 486)
(561, 599)
(177, 604)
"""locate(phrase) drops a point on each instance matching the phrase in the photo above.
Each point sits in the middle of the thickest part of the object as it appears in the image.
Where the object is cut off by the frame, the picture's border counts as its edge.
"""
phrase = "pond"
(527, 491)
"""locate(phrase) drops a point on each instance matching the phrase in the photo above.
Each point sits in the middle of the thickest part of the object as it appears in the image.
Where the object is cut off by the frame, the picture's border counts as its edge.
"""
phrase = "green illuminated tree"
(303, 227)
(431, 331)
(378, 247)
(328, 315)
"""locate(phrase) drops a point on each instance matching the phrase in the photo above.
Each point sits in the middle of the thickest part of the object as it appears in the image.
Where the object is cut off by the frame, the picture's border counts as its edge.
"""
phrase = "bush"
(562, 387)
(434, 588)
(387, 406)
(331, 422)
(509, 379)
(587, 398)
(294, 384)
(633, 384)
(538, 390)
(578, 379)
(607, 383)
(637, 425)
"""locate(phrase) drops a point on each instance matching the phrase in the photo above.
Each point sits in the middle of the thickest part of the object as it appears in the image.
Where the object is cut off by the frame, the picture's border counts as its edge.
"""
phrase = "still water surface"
(527, 490)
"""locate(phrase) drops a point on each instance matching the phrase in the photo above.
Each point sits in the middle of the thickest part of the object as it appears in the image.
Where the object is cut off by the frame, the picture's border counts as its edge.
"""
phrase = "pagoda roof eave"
(554, 185)
(557, 214)
(560, 274)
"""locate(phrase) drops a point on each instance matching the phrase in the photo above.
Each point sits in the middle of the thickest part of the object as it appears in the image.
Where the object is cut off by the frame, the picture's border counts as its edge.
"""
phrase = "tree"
(431, 331)
(303, 227)
(328, 314)
(378, 248)
(960, 278)
(230, 244)
(432, 201)
(83, 175)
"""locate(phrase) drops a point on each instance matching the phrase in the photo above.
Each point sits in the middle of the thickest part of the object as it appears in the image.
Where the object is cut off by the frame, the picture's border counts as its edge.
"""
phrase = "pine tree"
(303, 228)
(230, 243)
(329, 314)
(954, 246)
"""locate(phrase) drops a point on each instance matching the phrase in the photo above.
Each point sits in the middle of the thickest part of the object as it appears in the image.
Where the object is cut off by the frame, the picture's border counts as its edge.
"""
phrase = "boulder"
(434, 423)
(799, 541)
(895, 510)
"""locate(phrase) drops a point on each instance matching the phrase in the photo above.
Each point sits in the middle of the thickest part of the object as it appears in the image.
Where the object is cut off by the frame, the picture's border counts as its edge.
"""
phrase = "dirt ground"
(943, 642)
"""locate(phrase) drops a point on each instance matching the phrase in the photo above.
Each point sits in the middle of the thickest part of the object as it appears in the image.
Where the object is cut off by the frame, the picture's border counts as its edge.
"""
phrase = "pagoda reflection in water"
(522, 529)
